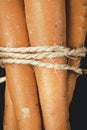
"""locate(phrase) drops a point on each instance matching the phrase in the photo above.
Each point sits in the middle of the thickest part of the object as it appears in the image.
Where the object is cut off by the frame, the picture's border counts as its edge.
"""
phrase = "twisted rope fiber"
(65, 52)
(41, 64)
(2, 79)
(23, 55)
(46, 51)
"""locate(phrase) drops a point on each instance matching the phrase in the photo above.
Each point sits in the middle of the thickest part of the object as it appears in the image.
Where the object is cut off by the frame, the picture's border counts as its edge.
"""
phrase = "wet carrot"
(20, 78)
(46, 21)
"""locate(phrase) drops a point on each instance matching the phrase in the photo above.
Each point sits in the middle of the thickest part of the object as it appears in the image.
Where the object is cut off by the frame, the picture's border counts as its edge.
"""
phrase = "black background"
(78, 107)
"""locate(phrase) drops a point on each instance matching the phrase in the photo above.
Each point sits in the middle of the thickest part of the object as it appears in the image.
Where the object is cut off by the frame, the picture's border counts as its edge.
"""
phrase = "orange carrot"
(20, 78)
(46, 21)
(9, 116)
(76, 33)
(86, 25)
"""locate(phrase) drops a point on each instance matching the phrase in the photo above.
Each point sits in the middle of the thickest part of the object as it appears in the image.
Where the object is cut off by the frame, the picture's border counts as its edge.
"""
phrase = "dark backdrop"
(78, 107)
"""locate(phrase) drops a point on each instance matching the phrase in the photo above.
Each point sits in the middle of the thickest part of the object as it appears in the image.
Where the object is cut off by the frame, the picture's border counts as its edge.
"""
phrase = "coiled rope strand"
(31, 55)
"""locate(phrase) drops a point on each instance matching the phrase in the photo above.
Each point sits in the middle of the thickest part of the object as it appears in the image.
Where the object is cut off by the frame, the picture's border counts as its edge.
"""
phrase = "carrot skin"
(76, 34)
(46, 26)
(20, 78)
(9, 113)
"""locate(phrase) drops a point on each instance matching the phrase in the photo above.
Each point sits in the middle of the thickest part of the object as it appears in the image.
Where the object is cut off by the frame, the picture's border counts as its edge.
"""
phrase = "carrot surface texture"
(76, 34)
(20, 78)
(46, 22)
(9, 115)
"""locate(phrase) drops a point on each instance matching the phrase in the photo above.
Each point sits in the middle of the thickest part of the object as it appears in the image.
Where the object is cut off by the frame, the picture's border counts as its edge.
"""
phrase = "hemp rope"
(23, 55)
(2, 79)
(59, 51)
(65, 52)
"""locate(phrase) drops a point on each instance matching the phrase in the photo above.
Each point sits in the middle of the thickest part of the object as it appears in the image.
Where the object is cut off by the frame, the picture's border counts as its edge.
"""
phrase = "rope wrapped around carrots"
(43, 24)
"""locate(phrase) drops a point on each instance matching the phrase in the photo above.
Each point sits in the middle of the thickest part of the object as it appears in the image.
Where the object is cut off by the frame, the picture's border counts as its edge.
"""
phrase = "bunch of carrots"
(38, 95)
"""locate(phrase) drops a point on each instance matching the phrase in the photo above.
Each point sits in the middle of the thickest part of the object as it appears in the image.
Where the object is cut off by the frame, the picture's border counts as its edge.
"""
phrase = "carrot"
(86, 25)
(9, 113)
(76, 33)
(46, 21)
(20, 78)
